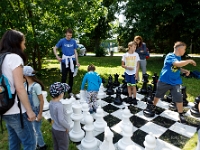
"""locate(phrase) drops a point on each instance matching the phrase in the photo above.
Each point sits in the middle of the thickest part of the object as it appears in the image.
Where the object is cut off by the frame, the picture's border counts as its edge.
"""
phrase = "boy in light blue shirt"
(93, 81)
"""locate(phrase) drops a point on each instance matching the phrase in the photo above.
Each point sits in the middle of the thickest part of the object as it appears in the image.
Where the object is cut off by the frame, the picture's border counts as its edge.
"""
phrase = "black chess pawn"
(124, 86)
(110, 90)
(154, 82)
(110, 81)
(184, 95)
(195, 109)
(150, 109)
(116, 82)
(143, 90)
(118, 99)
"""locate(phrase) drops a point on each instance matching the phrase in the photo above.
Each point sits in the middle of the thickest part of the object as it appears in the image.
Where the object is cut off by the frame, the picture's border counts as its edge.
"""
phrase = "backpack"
(7, 99)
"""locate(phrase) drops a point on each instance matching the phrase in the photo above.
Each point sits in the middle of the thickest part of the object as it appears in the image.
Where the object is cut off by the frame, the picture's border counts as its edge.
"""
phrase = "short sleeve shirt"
(67, 46)
(10, 63)
(131, 60)
(170, 74)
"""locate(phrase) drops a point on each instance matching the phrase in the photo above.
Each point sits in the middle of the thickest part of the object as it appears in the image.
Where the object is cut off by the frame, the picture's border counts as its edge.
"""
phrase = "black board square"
(139, 137)
(111, 120)
(164, 122)
(174, 138)
(110, 108)
(137, 121)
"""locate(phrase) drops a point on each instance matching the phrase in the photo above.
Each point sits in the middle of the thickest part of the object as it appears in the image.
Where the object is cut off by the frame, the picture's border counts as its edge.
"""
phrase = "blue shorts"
(130, 79)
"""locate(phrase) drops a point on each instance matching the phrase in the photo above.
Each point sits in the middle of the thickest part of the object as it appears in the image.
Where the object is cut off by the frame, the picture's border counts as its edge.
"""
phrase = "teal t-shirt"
(170, 74)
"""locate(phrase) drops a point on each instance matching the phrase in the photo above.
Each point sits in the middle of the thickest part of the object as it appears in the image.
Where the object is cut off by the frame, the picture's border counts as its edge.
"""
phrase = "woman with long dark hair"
(20, 132)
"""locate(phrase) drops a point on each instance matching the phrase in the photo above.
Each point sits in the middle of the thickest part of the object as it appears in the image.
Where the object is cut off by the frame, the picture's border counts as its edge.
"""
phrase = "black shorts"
(175, 90)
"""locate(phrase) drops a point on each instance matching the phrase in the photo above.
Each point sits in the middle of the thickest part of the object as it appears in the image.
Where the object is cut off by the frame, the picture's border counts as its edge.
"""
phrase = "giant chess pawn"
(126, 114)
(118, 99)
(110, 81)
(67, 103)
(85, 109)
(127, 132)
(116, 82)
(184, 95)
(195, 109)
(124, 86)
(110, 90)
(149, 111)
(101, 94)
(143, 90)
(76, 134)
(46, 103)
(150, 142)
(107, 144)
(82, 96)
(130, 147)
(154, 82)
(89, 142)
(100, 123)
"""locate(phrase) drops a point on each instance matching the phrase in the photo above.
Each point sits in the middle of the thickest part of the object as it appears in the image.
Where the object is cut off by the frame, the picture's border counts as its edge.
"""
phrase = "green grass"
(104, 66)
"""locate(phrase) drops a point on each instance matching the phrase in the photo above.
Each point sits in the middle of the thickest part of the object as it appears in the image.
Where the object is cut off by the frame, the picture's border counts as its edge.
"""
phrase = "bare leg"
(179, 107)
(134, 92)
(129, 91)
(155, 101)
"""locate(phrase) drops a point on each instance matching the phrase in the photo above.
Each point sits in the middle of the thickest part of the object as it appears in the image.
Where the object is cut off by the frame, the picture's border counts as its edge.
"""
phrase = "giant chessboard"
(164, 125)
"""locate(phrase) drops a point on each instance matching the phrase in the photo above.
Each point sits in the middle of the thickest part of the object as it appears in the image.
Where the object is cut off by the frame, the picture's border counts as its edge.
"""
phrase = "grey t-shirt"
(57, 113)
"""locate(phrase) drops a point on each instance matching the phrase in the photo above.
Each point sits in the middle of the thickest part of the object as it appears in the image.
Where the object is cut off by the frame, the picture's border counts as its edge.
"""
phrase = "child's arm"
(187, 72)
(61, 118)
(184, 63)
(39, 116)
(137, 70)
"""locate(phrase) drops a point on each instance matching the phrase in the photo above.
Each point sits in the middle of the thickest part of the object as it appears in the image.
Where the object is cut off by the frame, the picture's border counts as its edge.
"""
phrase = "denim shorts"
(19, 135)
(175, 90)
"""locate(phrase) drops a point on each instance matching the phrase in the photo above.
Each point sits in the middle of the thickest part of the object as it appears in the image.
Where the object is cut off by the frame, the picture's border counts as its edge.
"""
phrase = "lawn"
(105, 66)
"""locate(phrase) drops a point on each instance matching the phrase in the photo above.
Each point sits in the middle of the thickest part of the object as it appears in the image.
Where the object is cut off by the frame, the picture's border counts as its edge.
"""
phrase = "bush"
(100, 52)
(121, 49)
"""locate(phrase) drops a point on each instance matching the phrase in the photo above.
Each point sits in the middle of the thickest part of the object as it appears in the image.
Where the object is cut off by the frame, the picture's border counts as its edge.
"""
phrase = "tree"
(161, 23)
(43, 23)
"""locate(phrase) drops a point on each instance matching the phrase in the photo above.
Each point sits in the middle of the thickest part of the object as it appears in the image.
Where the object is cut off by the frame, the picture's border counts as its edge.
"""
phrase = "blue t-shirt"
(170, 74)
(67, 46)
(93, 80)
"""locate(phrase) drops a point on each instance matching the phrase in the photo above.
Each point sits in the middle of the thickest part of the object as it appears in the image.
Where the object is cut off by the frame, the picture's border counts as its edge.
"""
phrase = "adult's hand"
(31, 115)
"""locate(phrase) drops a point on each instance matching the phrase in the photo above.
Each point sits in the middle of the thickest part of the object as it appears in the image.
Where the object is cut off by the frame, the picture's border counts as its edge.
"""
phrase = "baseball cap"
(28, 71)
(57, 88)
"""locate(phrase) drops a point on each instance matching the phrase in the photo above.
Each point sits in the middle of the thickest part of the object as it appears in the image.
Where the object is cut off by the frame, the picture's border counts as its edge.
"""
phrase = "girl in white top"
(14, 42)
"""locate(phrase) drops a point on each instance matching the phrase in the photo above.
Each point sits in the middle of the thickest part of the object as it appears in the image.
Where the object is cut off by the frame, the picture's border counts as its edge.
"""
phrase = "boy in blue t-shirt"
(93, 81)
(170, 78)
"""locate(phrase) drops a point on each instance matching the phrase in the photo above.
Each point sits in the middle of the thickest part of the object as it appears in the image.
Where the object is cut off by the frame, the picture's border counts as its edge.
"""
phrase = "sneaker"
(129, 99)
(182, 118)
(133, 101)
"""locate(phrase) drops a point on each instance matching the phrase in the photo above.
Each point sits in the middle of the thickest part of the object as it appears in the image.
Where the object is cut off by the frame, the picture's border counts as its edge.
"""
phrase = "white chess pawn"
(150, 142)
(67, 103)
(46, 103)
(127, 132)
(107, 144)
(100, 123)
(126, 114)
(82, 96)
(85, 109)
(89, 142)
(76, 134)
